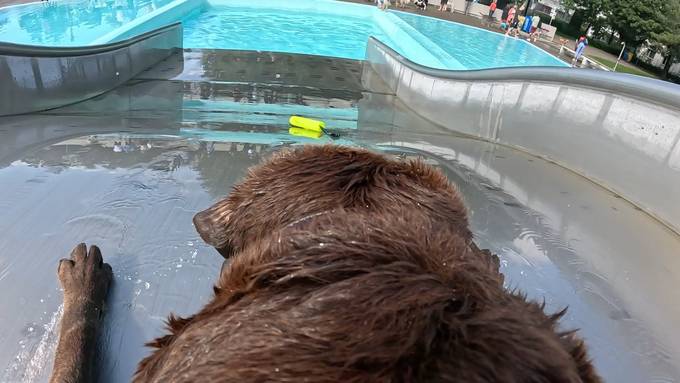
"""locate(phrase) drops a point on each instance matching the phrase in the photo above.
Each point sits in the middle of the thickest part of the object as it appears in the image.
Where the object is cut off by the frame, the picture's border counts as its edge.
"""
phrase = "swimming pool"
(318, 27)
(70, 23)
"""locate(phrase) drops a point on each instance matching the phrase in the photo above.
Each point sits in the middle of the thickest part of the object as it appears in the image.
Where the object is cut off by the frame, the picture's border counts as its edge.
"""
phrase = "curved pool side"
(323, 27)
(620, 131)
(36, 78)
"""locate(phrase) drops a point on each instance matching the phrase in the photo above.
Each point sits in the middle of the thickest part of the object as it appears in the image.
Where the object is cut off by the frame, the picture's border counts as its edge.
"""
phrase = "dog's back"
(366, 297)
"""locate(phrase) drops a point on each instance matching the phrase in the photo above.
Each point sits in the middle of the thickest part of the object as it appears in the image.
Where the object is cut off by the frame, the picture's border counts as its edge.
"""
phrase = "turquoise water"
(477, 48)
(281, 31)
(318, 27)
(70, 23)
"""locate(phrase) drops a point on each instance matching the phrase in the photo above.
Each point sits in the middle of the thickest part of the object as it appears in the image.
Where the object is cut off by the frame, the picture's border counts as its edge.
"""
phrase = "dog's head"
(296, 184)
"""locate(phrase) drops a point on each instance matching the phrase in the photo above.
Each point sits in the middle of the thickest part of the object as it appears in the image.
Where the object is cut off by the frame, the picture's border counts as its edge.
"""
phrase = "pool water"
(224, 27)
(318, 27)
(70, 23)
(477, 48)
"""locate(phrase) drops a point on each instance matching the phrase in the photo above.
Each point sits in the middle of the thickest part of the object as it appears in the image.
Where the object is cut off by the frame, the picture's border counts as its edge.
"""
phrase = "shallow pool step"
(268, 104)
(221, 103)
(222, 88)
(215, 65)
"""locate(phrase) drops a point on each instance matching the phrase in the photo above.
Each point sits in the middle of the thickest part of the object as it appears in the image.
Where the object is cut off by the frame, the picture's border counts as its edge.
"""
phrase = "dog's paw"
(84, 276)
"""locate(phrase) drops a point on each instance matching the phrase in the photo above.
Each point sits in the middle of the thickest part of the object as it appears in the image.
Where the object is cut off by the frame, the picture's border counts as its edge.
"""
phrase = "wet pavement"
(128, 170)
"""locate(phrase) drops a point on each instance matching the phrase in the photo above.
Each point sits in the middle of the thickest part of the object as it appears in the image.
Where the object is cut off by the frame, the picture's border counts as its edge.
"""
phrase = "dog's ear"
(579, 352)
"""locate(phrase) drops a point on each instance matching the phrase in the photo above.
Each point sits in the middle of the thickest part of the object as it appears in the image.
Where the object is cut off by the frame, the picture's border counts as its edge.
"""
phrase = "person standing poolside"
(580, 49)
(492, 8)
(444, 5)
(504, 15)
(467, 6)
(510, 21)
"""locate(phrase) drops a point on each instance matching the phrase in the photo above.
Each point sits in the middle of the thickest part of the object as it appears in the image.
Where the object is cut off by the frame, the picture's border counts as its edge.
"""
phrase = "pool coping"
(22, 50)
(42, 78)
(617, 152)
(640, 87)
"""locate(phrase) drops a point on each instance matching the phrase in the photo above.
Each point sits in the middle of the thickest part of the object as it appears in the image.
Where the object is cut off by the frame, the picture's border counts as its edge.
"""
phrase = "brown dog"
(347, 267)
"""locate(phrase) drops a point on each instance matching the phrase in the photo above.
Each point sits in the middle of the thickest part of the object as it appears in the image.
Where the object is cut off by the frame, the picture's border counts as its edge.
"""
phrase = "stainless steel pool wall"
(34, 79)
(620, 131)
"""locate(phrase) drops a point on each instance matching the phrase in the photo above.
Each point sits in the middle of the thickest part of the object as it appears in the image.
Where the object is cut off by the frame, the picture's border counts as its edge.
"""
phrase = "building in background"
(552, 8)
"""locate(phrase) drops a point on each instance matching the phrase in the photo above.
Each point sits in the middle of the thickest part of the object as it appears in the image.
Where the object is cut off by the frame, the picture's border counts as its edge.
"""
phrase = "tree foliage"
(669, 36)
(589, 11)
(634, 20)
(637, 20)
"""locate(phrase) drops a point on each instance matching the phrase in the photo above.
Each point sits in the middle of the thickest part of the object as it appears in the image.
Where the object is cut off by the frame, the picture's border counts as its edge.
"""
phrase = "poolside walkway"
(4, 3)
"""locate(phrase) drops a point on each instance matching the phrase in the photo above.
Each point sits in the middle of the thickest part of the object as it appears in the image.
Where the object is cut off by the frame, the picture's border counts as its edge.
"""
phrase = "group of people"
(510, 22)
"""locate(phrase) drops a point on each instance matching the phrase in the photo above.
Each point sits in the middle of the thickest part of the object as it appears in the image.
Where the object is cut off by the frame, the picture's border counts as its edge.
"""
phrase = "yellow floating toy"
(294, 131)
(307, 123)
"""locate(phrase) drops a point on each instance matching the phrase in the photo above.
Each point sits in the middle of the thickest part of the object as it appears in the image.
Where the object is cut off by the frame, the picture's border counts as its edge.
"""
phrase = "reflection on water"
(137, 204)
(573, 245)
(559, 238)
(70, 23)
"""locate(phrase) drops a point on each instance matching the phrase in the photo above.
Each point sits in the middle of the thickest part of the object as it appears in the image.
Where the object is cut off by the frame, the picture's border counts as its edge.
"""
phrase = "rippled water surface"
(70, 22)
(135, 195)
(281, 31)
(478, 49)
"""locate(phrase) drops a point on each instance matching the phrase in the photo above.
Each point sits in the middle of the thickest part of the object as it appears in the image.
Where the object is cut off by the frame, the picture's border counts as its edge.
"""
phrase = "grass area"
(622, 68)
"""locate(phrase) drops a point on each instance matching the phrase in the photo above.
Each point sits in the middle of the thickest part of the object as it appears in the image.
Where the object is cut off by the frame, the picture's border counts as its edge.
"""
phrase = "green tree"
(589, 12)
(637, 20)
(669, 37)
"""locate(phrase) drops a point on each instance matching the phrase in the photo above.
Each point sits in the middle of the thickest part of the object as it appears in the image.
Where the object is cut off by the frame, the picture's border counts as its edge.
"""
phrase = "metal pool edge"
(619, 131)
(40, 78)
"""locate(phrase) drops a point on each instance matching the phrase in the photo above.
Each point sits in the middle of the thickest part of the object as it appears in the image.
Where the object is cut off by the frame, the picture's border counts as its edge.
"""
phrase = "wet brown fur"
(348, 297)
(297, 184)
(364, 273)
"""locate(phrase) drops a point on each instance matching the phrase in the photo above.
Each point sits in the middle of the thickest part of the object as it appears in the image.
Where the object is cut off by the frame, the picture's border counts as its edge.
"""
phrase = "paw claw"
(64, 265)
(94, 256)
(79, 253)
(85, 276)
